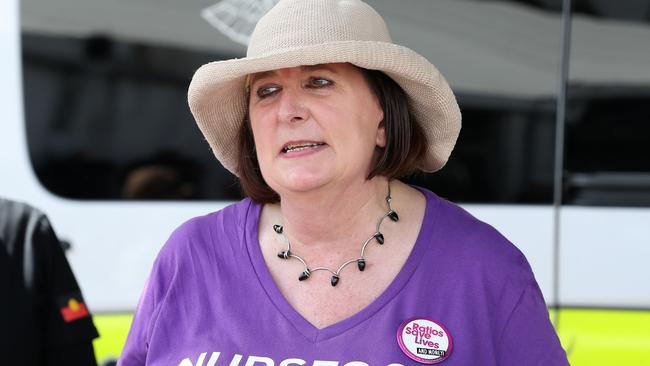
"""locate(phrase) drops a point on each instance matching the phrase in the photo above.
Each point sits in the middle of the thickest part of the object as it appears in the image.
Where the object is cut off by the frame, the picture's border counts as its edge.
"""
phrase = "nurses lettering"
(263, 361)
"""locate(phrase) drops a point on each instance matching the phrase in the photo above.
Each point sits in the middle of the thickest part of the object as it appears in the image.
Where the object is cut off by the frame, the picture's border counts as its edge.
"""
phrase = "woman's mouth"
(295, 147)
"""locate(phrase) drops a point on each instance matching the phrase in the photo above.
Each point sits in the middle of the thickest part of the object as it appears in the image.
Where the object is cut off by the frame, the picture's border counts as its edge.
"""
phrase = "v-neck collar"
(301, 324)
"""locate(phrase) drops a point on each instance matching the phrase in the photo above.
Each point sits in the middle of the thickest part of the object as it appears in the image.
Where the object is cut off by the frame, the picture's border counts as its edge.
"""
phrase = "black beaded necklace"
(361, 262)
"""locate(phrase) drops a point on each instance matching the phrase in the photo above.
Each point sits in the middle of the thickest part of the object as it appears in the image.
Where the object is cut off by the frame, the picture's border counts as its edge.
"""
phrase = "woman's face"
(314, 126)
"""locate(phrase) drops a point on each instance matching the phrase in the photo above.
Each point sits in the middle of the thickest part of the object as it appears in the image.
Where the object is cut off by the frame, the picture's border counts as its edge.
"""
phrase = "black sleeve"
(68, 329)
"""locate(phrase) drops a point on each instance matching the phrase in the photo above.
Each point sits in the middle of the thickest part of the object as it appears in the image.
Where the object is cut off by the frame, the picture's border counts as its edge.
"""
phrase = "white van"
(97, 134)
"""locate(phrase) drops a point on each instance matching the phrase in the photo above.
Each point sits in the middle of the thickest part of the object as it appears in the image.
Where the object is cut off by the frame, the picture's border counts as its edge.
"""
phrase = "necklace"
(361, 261)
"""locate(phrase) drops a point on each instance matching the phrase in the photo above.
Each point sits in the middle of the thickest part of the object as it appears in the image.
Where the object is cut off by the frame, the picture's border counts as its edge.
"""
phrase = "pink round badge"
(424, 340)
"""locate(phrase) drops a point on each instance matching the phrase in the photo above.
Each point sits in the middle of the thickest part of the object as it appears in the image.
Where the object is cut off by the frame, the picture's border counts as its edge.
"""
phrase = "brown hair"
(406, 143)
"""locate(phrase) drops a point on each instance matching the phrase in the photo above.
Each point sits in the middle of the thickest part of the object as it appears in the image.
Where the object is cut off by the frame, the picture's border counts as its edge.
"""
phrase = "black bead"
(380, 238)
(393, 215)
(335, 280)
(284, 254)
(304, 275)
(361, 263)
(277, 228)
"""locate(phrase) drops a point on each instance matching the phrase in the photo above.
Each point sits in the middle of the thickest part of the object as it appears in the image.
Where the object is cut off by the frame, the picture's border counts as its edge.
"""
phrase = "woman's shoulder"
(200, 233)
(471, 241)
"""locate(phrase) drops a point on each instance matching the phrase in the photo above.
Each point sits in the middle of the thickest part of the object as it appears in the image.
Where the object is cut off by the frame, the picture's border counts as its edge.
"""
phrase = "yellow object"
(605, 337)
(113, 329)
(73, 305)
(591, 337)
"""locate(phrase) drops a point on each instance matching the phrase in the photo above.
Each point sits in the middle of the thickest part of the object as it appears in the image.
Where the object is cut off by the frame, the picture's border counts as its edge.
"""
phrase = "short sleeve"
(528, 337)
(149, 307)
(69, 328)
(137, 342)
(68, 318)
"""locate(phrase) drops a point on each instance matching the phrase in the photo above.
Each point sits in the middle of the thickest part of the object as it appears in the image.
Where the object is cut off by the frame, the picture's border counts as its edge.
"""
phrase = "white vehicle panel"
(605, 257)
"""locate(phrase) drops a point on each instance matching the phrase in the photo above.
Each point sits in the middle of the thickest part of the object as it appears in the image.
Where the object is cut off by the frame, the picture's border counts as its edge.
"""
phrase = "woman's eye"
(266, 91)
(319, 82)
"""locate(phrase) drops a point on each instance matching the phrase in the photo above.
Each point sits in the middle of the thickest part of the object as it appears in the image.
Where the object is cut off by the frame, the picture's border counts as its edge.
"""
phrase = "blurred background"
(554, 150)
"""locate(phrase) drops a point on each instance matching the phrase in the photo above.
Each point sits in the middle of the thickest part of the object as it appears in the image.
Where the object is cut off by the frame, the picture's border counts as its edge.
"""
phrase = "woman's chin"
(302, 181)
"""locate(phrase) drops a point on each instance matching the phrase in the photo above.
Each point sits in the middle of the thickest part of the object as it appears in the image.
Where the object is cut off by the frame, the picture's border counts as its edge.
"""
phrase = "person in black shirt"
(43, 318)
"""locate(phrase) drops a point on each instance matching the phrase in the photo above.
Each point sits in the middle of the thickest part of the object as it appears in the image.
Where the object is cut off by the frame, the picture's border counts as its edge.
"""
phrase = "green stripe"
(113, 329)
(591, 336)
(605, 337)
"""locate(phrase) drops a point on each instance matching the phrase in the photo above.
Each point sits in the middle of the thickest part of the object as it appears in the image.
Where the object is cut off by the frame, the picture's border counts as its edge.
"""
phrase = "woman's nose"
(292, 107)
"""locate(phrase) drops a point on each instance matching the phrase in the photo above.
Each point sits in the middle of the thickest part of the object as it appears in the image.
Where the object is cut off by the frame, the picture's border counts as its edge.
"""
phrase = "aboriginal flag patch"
(72, 308)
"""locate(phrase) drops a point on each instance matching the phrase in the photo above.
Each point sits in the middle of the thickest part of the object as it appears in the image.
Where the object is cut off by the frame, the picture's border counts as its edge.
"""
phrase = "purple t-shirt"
(466, 296)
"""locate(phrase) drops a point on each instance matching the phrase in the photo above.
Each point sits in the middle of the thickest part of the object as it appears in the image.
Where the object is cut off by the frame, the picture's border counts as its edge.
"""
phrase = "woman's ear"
(381, 134)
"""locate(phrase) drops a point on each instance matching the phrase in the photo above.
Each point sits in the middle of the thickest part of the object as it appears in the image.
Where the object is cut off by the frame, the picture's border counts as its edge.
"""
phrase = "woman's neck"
(336, 217)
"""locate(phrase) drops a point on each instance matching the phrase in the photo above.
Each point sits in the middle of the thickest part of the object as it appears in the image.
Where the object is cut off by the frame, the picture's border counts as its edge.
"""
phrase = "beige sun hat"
(310, 32)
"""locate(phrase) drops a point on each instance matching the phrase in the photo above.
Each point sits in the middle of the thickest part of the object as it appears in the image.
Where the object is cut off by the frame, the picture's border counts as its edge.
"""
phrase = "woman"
(331, 260)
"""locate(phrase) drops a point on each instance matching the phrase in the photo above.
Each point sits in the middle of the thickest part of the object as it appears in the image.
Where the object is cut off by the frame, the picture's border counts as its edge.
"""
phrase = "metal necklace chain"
(361, 261)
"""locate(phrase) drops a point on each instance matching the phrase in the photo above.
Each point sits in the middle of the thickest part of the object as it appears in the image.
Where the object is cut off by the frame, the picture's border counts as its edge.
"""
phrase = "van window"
(107, 118)
(608, 106)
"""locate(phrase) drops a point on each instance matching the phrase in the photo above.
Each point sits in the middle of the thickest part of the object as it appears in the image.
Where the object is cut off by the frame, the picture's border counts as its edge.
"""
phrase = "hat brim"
(217, 95)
